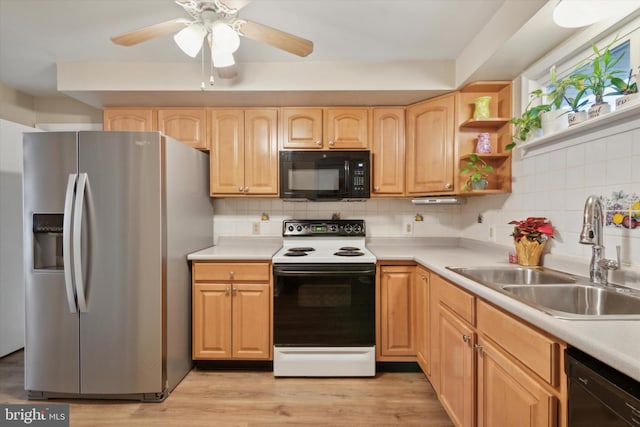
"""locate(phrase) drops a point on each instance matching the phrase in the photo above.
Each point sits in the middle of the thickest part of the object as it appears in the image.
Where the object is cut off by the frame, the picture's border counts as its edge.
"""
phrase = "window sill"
(555, 141)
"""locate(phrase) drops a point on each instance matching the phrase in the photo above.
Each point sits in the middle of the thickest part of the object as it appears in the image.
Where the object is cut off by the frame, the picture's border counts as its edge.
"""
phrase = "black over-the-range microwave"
(325, 175)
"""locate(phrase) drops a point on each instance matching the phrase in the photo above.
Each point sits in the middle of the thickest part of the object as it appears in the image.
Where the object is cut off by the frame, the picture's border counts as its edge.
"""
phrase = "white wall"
(11, 268)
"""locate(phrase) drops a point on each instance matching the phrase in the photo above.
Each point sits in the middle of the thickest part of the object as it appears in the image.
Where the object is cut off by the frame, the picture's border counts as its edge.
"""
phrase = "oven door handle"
(309, 273)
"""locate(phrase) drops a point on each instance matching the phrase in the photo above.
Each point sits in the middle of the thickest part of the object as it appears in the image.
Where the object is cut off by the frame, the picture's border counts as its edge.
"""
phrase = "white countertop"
(615, 342)
(239, 248)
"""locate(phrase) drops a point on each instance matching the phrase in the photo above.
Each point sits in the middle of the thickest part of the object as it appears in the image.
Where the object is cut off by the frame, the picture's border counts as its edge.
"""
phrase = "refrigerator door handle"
(66, 242)
(77, 241)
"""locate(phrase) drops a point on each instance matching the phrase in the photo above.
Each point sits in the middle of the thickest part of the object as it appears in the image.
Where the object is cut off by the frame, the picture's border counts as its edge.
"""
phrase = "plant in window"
(477, 170)
(529, 121)
(600, 78)
(627, 88)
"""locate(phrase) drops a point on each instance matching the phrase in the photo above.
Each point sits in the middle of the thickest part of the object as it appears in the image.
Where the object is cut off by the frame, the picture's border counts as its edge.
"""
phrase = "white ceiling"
(380, 51)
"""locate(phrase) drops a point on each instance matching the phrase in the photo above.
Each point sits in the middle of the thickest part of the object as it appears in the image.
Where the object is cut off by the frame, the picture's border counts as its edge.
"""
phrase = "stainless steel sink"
(558, 294)
(586, 301)
(513, 275)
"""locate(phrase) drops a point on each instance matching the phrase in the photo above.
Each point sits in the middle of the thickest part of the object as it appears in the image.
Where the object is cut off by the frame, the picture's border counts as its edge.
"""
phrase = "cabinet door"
(388, 152)
(211, 327)
(457, 375)
(397, 311)
(130, 119)
(508, 396)
(346, 128)
(429, 161)
(261, 151)
(423, 334)
(251, 321)
(227, 152)
(186, 125)
(301, 128)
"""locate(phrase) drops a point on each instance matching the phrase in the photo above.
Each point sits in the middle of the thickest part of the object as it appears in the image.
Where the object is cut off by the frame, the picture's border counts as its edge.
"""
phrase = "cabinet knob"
(240, 188)
(448, 186)
(231, 274)
(318, 142)
(226, 291)
(246, 189)
(331, 143)
(424, 278)
(376, 188)
(234, 290)
(478, 348)
(466, 338)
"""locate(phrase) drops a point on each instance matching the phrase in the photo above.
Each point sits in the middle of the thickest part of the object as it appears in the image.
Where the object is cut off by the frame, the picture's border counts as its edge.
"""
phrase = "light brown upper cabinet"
(430, 143)
(387, 150)
(187, 125)
(129, 119)
(325, 128)
(244, 152)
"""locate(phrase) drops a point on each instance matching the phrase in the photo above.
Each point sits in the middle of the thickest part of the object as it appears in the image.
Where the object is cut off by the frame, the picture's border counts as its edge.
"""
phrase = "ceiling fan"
(216, 21)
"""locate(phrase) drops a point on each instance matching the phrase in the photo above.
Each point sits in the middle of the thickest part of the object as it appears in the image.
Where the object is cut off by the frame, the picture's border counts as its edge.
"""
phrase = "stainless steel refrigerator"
(109, 218)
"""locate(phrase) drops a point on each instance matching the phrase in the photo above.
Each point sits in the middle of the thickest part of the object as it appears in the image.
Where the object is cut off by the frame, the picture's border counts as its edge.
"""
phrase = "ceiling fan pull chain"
(202, 85)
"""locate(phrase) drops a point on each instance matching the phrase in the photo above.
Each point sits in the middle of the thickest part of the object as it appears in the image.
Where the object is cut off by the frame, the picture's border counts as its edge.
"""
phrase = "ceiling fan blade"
(229, 72)
(146, 33)
(280, 39)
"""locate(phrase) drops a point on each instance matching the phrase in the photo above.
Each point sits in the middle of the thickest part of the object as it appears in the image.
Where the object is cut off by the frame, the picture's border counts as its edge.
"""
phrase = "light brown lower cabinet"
(232, 311)
(396, 313)
(489, 368)
(423, 333)
(507, 395)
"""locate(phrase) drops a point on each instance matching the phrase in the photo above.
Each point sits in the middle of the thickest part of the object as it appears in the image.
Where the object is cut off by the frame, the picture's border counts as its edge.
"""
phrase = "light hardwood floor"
(242, 398)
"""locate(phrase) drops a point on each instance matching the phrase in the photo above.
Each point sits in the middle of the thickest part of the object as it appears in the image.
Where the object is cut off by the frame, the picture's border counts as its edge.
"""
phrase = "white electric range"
(324, 300)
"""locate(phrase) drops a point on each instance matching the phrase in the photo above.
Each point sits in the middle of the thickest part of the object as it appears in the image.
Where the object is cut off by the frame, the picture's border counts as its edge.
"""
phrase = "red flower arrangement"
(533, 228)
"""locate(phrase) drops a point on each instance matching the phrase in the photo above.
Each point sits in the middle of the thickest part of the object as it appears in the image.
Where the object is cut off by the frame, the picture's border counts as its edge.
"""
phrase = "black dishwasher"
(598, 394)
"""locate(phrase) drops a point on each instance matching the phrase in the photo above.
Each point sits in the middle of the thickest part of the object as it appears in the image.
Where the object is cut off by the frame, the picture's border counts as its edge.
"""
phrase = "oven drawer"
(226, 271)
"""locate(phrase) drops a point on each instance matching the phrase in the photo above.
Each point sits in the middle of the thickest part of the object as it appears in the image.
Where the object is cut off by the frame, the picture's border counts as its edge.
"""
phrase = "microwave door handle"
(66, 243)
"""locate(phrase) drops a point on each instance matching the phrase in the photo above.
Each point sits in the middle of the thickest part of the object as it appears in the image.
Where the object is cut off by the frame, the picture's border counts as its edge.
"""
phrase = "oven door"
(324, 305)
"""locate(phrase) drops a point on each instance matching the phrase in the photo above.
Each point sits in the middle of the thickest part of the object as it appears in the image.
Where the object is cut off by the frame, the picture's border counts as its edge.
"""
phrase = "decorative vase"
(482, 107)
(529, 251)
(484, 143)
(577, 117)
(598, 110)
(554, 121)
(480, 184)
(626, 100)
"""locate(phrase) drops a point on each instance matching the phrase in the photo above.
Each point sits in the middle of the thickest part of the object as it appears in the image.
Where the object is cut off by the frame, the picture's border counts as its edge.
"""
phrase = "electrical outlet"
(492, 232)
(255, 228)
(408, 228)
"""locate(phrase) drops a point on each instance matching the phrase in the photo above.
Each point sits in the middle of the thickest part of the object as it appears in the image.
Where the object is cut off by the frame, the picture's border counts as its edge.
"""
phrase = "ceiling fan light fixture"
(225, 37)
(222, 59)
(190, 39)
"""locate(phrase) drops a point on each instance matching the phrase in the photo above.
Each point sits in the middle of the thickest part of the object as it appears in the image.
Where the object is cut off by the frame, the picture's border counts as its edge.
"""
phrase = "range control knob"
(347, 228)
(290, 228)
(357, 229)
(299, 228)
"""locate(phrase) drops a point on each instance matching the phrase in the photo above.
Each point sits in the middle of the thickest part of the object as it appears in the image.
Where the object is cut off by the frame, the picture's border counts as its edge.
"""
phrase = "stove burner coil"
(349, 249)
(349, 253)
(301, 249)
(295, 253)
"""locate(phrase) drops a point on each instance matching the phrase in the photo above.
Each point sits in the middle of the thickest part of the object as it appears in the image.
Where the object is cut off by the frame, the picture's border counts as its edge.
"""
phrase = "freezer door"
(52, 329)
(121, 329)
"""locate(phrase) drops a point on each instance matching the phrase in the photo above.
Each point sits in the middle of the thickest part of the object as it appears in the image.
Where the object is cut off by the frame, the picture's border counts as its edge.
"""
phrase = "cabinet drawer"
(210, 271)
(458, 300)
(536, 351)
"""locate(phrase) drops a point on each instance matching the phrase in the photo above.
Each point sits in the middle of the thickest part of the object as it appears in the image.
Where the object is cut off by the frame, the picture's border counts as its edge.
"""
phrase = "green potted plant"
(627, 88)
(599, 80)
(528, 123)
(476, 169)
(556, 119)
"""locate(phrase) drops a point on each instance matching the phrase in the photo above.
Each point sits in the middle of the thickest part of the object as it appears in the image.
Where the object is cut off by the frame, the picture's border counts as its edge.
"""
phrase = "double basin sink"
(558, 294)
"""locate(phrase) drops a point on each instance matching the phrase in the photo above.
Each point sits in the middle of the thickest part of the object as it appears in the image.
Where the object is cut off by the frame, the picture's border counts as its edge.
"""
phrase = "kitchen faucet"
(591, 234)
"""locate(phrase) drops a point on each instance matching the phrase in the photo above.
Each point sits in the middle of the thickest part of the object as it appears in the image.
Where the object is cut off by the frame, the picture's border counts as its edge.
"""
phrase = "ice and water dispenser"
(47, 241)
